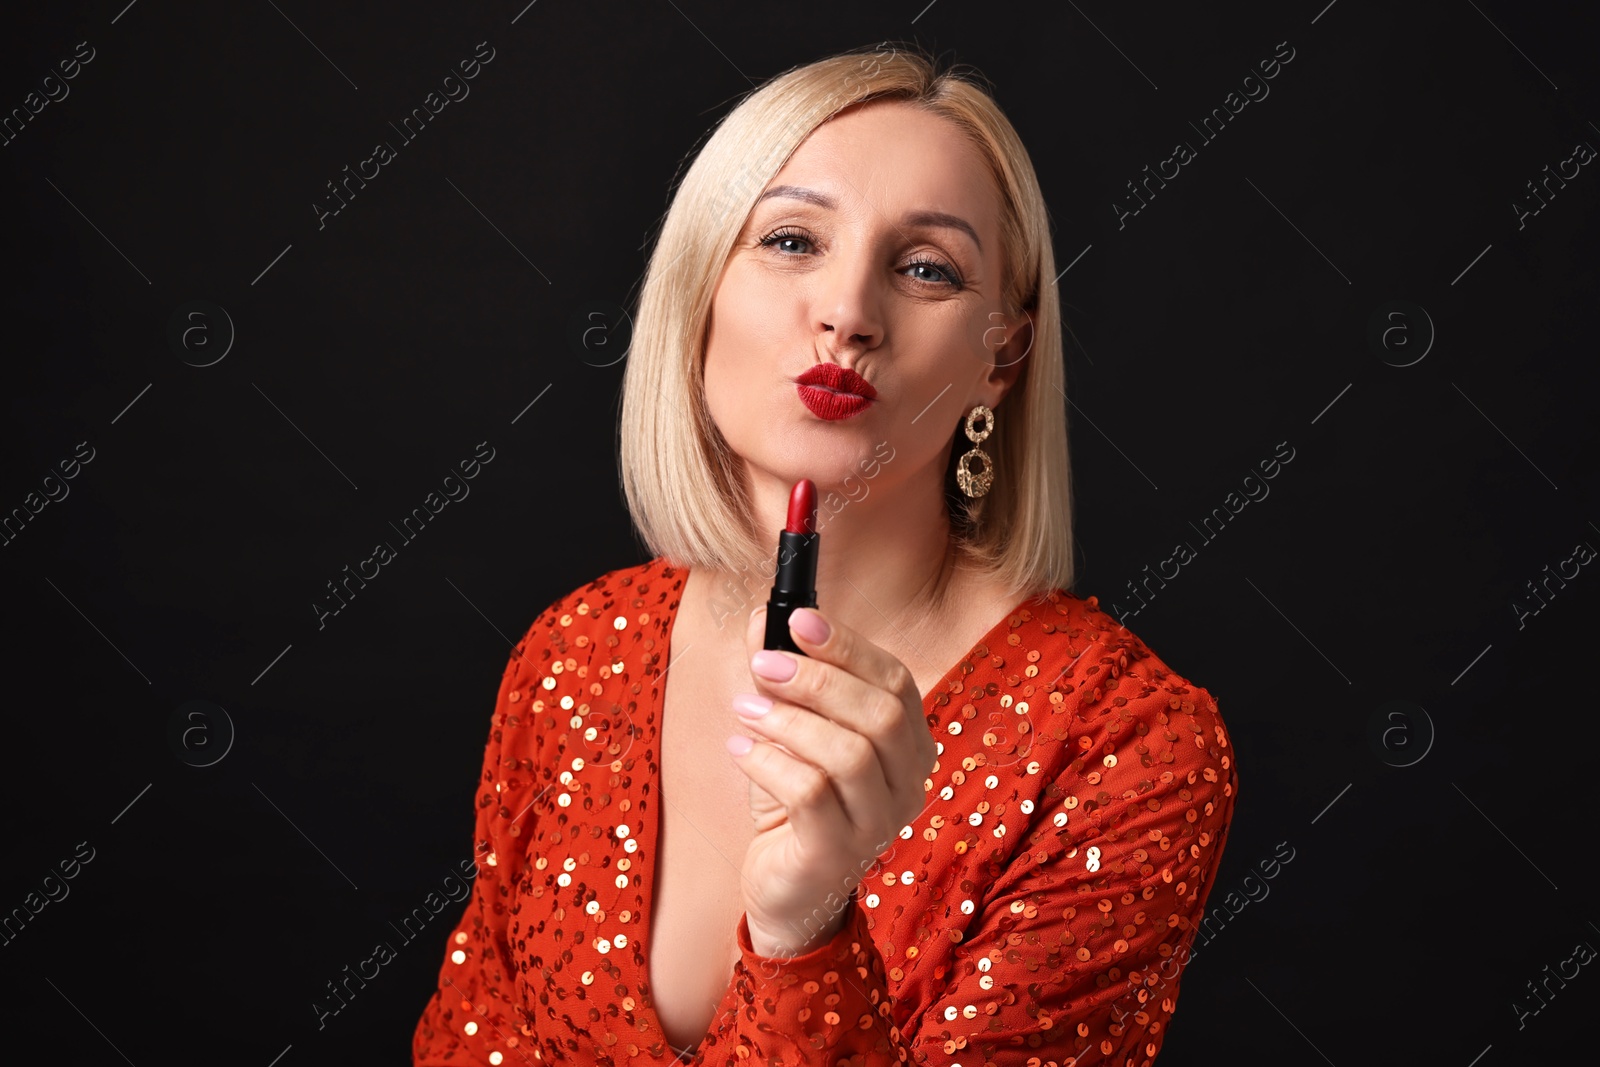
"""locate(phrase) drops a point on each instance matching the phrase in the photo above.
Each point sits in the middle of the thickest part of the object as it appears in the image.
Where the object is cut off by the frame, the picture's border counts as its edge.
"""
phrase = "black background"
(1232, 313)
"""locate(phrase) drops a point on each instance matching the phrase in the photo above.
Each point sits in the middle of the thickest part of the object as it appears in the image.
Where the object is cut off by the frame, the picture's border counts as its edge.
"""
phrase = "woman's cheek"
(736, 402)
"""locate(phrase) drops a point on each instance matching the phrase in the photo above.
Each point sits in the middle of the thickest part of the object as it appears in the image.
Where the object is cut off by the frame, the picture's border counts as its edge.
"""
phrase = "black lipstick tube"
(795, 586)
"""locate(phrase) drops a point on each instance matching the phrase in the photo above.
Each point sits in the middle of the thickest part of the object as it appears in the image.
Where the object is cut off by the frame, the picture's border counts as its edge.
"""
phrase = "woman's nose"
(850, 301)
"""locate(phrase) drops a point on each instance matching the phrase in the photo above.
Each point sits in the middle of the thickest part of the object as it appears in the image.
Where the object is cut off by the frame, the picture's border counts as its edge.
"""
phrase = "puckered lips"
(833, 392)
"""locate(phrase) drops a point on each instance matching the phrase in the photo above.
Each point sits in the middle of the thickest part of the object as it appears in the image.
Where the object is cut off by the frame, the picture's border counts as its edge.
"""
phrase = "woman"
(854, 284)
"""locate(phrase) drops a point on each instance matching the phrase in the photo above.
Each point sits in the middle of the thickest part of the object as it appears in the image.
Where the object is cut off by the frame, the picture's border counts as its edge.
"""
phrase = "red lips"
(833, 392)
(839, 379)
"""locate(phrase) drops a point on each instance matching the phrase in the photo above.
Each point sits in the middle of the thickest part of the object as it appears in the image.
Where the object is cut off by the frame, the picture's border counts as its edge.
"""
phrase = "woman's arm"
(472, 1015)
(1072, 952)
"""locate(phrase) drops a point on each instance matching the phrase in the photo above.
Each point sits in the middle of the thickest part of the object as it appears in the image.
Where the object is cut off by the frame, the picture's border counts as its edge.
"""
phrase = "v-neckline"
(666, 622)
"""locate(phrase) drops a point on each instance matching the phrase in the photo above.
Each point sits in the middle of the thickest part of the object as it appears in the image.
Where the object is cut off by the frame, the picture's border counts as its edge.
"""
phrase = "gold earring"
(976, 485)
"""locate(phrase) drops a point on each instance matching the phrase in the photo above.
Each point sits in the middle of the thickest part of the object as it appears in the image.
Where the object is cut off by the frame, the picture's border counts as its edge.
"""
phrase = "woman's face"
(876, 248)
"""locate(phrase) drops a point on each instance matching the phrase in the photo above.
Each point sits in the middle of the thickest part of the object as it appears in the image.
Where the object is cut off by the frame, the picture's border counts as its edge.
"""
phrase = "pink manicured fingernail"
(751, 705)
(774, 666)
(809, 625)
(740, 745)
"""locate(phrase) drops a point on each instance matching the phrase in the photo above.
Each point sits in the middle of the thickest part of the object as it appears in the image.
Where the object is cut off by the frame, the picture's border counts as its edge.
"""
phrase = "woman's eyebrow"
(942, 219)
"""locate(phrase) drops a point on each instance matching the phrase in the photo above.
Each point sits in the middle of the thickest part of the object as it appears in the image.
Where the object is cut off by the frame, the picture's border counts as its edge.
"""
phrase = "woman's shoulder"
(1104, 675)
(614, 599)
(1062, 622)
(585, 648)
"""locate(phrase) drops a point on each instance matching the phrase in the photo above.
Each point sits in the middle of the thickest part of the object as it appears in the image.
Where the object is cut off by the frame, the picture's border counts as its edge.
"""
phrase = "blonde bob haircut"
(685, 487)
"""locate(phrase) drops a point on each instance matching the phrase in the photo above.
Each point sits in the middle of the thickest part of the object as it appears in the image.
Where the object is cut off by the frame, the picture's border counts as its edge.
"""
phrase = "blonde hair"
(1020, 532)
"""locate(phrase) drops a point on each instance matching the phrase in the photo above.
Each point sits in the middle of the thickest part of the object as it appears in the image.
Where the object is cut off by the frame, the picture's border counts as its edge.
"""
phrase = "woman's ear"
(1007, 362)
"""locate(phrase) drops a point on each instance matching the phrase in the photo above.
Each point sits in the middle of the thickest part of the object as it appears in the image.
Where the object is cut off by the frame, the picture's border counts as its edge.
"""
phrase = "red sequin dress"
(1037, 912)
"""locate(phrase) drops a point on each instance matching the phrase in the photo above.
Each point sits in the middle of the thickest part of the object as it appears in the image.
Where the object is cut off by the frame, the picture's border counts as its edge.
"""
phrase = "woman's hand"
(836, 771)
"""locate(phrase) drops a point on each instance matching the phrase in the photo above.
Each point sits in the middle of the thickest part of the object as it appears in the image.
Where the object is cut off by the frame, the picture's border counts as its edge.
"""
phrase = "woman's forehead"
(889, 158)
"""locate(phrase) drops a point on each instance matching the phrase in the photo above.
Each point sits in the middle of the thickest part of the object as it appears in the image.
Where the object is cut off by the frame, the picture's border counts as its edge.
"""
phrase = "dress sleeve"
(471, 1015)
(1065, 953)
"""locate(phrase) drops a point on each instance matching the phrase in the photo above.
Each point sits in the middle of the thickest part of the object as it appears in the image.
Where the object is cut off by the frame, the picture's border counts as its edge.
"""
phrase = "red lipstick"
(802, 508)
(795, 585)
(833, 392)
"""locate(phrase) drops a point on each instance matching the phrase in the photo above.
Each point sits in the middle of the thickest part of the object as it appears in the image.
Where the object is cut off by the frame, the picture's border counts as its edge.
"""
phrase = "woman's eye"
(943, 274)
(779, 238)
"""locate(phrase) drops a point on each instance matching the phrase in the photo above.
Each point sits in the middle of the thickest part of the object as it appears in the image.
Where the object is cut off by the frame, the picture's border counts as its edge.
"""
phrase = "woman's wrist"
(780, 942)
